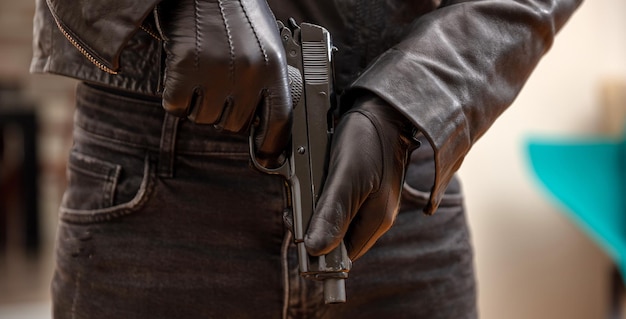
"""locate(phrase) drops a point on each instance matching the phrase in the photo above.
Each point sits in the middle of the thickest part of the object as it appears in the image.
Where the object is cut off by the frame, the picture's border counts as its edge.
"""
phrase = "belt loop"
(165, 166)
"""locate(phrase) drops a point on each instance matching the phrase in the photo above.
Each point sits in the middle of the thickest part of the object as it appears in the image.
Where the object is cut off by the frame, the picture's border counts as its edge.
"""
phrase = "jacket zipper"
(80, 48)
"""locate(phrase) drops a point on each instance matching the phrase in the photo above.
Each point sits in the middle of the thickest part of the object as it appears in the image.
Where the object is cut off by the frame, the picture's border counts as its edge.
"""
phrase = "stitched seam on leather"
(269, 95)
(231, 64)
(196, 61)
(150, 32)
(82, 47)
(256, 35)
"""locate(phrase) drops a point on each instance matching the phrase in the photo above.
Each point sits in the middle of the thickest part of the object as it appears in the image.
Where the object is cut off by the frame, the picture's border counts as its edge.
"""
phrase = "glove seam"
(229, 36)
(255, 32)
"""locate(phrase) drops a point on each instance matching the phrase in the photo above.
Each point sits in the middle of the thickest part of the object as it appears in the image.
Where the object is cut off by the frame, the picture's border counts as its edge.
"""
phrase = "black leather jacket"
(452, 67)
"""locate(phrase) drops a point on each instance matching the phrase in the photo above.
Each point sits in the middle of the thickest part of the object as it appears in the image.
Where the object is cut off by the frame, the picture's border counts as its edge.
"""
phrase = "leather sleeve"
(460, 67)
(102, 28)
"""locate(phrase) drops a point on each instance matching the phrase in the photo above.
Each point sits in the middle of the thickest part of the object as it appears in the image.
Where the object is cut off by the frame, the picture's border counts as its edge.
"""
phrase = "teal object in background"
(588, 177)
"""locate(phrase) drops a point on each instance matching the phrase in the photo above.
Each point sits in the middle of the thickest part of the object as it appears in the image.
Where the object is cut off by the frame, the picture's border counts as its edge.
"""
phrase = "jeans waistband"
(137, 122)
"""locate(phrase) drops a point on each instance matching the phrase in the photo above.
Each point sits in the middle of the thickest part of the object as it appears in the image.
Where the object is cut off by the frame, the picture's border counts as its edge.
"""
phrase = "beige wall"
(532, 260)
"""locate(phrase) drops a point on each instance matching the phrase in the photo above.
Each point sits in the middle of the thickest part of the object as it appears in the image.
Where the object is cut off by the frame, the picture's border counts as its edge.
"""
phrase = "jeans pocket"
(97, 191)
(413, 198)
(416, 189)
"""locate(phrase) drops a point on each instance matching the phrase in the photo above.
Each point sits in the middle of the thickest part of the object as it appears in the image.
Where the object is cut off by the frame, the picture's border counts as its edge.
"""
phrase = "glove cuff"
(372, 103)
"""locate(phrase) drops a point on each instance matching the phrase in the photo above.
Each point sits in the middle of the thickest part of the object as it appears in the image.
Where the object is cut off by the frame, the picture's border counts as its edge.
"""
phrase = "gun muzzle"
(334, 290)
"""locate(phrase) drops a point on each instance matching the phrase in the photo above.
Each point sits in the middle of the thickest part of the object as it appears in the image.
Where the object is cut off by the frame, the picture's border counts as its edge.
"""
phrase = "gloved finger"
(247, 69)
(352, 177)
(216, 96)
(331, 218)
(184, 97)
(176, 98)
(238, 114)
(374, 218)
(274, 126)
(208, 109)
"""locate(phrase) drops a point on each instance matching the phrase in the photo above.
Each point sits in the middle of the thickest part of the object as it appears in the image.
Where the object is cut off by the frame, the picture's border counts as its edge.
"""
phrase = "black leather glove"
(225, 64)
(360, 200)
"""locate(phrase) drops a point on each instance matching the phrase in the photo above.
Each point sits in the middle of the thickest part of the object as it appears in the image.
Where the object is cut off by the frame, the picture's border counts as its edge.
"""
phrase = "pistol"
(309, 51)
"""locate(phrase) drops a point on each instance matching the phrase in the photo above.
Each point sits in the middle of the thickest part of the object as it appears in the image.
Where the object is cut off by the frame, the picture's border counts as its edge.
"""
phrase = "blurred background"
(532, 260)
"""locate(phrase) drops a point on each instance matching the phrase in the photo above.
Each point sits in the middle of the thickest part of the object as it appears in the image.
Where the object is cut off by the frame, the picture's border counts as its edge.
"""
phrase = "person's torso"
(361, 30)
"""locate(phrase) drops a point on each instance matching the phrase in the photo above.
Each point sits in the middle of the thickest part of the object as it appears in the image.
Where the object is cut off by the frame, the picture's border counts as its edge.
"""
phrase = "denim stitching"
(79, 216)
(168, 146)
(133, 146)
(76, 293)
(285, 269)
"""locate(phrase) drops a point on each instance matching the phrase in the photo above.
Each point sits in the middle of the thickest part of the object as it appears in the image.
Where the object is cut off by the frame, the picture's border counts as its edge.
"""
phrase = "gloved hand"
(226, 65)
(361, 195)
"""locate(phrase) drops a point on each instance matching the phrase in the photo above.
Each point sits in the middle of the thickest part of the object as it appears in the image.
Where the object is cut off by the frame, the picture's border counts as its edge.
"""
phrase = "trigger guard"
(283, 169)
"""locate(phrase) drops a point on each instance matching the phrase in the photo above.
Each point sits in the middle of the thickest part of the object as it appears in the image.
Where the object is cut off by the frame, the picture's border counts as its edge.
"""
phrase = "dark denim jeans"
(166, 219)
